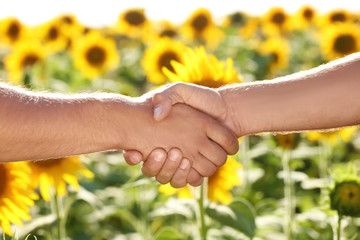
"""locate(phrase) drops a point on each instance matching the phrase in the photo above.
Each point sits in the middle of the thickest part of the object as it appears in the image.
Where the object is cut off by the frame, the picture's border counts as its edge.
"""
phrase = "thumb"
(132, 157)
(201, 98)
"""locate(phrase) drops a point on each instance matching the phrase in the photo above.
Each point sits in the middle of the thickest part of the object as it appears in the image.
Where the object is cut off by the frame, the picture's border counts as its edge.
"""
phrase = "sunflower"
(160, 55)
(23, 56)
(344, 134)
(304, 18)
(276, 21)
(16, 195)
(237, 19)
(251, 27)
(287, 141)
(345, 198)
(52, 35)
(162, 29)
(201, 28)
(202, 69)
(133, 23)
(278, 50)
(11, 30)
(56, 173)
(219, 184)
(94, 54)
(336, 16)
(340, 40)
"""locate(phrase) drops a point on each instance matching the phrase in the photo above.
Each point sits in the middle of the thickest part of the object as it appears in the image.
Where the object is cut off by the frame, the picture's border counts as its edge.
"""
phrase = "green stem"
(246, 163)
(59, 217)
(202, 227)
(338, 229)
(324, 164)
(288, 195)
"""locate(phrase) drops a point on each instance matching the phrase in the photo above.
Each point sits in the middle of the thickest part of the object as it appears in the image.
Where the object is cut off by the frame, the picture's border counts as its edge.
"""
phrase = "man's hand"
(201, 139)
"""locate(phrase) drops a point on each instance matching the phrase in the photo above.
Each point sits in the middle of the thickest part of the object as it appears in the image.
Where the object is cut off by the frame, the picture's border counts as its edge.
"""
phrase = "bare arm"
(320, 98)
(41, 126)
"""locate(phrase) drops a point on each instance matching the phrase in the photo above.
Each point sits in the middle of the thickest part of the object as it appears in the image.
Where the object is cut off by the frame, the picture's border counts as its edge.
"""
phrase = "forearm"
(321, 98)
(41, 126)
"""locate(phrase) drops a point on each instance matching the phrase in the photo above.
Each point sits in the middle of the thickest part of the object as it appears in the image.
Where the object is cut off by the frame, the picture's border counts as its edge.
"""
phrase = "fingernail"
(159, 156)
(135, 159)
(174, 155)
(157, 111)
(184, 164)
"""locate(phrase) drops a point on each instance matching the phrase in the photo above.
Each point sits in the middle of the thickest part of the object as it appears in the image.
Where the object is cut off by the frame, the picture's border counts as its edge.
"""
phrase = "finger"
(180, 175)
(132, 157)
(171, 164)
(194, 178)
(223, 137)
(162, 105)
(214, 152)
(204, 166)
(154, 162)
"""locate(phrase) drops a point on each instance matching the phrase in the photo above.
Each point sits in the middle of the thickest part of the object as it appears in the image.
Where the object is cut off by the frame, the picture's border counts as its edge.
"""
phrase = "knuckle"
(176, 184)
(210, 170)
(161, 180)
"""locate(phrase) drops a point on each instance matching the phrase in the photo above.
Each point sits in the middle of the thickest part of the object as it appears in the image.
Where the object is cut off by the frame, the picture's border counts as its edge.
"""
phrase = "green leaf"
(239, 215)
(169, 233)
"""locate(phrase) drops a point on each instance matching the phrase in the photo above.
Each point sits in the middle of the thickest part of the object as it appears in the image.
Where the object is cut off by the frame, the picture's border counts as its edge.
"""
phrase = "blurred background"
(294, 186)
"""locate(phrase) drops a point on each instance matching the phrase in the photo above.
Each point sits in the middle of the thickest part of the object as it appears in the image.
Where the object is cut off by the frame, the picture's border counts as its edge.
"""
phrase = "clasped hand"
(202, 141)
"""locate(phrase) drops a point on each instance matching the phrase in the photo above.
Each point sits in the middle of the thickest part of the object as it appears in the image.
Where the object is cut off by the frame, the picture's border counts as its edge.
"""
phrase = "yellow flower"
(201, 28)
(250, 28)
(344, 134)
(339, 40)
(288, 141)
(237, 19)
(335, 16)
(24, 55)
(276, 21)
(304, 18)
(94, 54)
(219, 184)
(165, 29)
(160, 55)
(133, 23)
(56, 173)
(51, 34)
(202, 69)
(11, 30)
(278, 49)
(16, 195)
(345, 198)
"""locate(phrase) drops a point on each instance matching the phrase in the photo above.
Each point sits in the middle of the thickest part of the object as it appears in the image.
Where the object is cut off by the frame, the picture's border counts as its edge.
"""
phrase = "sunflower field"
(295, 186)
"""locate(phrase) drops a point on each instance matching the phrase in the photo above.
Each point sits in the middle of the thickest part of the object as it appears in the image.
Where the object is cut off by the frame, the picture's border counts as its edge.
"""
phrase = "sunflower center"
(345, 44)
(67, 20)
(135, 18)
(47, 163)
(165, 60)
(168, 33)
(13, 31)
(200, 22)
(274, 57)
(29, 60)
(308, 14)
(338, 17)
(53, 34)
(278, 18)
(2, 178)
(96, 56)
(237, 18)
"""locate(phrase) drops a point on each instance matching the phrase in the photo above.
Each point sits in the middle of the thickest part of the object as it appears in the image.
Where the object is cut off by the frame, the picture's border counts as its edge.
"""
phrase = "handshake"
(182, 132)
(199, 131)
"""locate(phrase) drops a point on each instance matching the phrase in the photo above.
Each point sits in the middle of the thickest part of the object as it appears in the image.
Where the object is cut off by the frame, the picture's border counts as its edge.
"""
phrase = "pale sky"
(105, 12)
